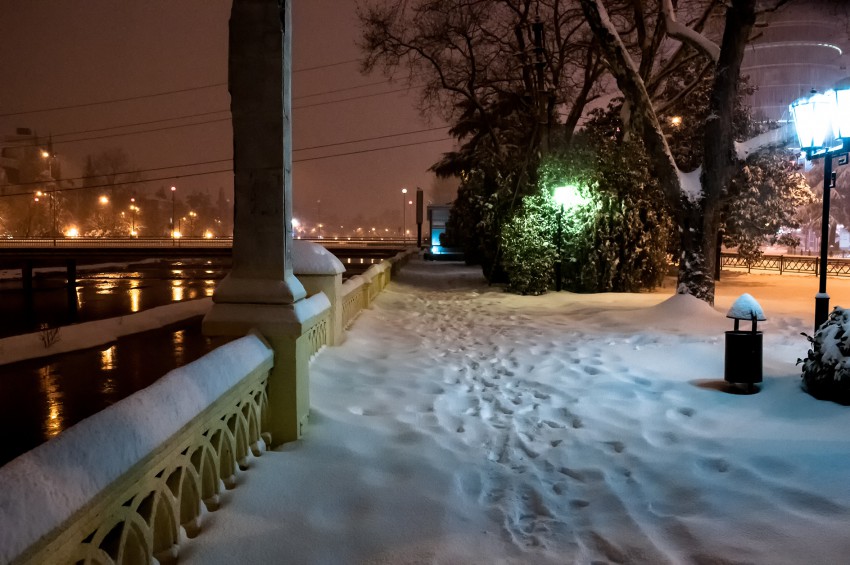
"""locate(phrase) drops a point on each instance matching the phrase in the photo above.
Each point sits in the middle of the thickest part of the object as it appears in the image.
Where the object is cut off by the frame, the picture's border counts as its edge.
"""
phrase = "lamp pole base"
(821, 309)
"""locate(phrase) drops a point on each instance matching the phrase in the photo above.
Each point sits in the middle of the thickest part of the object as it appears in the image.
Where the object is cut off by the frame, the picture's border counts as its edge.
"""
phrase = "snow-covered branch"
(767, 140)
(686, 34)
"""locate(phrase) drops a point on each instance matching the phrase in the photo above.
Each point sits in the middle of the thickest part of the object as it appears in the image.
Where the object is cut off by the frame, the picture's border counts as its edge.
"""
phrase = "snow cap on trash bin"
(746, 308)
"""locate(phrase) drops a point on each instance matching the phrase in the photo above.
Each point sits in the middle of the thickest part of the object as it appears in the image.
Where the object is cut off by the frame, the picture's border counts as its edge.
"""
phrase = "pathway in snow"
(460, 424)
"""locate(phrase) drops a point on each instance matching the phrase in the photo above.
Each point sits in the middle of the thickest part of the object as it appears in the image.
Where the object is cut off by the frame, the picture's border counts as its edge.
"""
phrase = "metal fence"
(786, 264)
(190, 242)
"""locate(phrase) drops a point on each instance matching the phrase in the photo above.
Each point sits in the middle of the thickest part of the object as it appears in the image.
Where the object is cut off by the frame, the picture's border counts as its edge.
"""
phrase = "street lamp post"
(173, 239)
(403, 211)
(133, 209)
(822, 122)
(47, 155)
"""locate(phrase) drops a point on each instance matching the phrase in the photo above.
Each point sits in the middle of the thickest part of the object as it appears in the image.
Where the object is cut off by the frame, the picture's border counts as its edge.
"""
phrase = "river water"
(41, 397)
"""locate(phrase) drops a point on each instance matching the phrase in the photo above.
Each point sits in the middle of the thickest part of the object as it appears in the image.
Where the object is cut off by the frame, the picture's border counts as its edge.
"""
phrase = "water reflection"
(177, 291)
(209, 287)
(135, 299)
(42, 397)
(105, 287)
(52, 393)
(107, 359)
(177, 345)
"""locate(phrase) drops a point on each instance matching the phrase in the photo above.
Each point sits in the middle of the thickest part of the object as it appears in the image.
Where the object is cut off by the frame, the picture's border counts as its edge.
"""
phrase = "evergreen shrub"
(826, 369)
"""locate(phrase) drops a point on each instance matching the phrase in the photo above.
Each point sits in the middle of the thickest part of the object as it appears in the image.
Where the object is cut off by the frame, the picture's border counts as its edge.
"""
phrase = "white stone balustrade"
(124, 484)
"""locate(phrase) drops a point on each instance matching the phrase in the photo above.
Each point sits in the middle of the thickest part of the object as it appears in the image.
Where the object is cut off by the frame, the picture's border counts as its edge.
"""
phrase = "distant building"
(801, 47)
(22, 158)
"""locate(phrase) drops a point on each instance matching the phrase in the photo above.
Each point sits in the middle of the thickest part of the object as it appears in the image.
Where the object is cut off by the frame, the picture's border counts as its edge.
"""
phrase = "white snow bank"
(460, 424)
(45, 486)
(99, 332)
(681, 313)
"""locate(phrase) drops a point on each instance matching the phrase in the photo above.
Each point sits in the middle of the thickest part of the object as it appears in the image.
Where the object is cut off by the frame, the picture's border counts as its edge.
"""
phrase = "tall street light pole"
(822, 122)
(173, 238)
(403, 211)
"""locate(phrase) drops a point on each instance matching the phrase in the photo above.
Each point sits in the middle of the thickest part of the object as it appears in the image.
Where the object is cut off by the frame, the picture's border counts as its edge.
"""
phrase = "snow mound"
(681, 313)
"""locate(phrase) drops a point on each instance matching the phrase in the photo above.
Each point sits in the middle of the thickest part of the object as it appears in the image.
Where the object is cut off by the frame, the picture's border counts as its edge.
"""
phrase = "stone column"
(261, 290)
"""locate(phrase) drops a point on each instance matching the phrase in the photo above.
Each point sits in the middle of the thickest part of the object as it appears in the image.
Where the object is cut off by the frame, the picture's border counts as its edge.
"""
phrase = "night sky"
(75, 52)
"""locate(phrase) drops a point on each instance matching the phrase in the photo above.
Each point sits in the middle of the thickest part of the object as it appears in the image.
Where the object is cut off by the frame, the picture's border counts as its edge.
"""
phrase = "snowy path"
(460, 424)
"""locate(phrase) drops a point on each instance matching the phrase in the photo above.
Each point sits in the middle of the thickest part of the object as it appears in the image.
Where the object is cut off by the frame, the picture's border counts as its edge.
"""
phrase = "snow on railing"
(119, 486)
(124, 484)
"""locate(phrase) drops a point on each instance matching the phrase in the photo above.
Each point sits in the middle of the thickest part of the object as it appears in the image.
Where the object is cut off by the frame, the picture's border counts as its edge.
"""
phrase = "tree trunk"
(696, 271)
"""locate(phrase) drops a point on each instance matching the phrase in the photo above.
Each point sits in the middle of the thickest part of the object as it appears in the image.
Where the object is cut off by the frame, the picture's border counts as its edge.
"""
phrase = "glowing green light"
(569, 197)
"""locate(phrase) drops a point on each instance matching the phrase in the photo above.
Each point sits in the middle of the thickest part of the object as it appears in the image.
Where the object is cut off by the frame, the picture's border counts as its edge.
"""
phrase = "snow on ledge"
(46, 486)
(99, 332)
(309, 258)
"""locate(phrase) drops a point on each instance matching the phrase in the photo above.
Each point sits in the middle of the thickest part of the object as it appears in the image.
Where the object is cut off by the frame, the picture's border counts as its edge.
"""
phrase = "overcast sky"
(76, 52)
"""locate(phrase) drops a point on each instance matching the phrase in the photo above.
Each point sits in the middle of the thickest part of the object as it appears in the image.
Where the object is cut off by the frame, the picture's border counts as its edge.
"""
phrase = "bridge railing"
(119, 486)
(190, 242)
(124, 484)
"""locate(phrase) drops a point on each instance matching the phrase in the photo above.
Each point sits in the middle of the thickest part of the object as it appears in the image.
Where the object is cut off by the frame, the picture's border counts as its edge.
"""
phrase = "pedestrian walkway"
(461, 424)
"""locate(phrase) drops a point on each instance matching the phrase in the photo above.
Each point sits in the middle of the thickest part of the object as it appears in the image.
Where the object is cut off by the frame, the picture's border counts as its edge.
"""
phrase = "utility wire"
(126, 133)
(349, 61)
(157, 94)
(370, 150)
(114, 100)
(121, 173)
(369, 139)
(138, 181)
(350, 98)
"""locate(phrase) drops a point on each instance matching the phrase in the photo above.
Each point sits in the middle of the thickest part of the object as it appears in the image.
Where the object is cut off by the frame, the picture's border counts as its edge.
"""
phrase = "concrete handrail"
(118, 486)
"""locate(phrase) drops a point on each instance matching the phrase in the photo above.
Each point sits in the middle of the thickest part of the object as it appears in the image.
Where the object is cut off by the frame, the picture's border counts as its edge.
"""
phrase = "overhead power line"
(350, 98)
(186, 175)
(363, 139)
(325, 66)
(370, 150)
(113, 100)
(162, 93)
(114, 174)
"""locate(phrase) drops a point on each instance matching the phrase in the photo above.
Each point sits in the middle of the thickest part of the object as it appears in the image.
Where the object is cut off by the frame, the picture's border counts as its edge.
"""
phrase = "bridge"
(29, 253)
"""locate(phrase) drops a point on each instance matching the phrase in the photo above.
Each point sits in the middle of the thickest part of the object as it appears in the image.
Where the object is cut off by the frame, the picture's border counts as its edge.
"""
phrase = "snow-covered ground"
(460, 424)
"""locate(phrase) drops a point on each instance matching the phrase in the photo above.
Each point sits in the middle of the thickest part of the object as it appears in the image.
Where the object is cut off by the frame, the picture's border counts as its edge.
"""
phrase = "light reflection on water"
(105, 287)
(177, 343)
(177, 291)
(54, 423)
(209, 287)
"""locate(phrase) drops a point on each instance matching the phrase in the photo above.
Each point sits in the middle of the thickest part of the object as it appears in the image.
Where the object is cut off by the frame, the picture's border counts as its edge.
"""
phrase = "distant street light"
(173, 233)
(822, 122)
(46, 155)
(133, 209)
(403, 211)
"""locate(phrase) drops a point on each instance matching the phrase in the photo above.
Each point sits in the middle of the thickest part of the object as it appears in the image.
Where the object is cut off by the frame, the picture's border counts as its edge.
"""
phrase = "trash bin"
(743, 362)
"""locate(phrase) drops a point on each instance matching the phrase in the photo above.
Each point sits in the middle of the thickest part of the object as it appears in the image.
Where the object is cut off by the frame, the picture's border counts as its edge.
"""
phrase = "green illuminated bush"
(614, 238)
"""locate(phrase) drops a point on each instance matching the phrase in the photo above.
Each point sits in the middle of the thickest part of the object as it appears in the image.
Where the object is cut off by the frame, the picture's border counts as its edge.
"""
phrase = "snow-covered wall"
(46, 486)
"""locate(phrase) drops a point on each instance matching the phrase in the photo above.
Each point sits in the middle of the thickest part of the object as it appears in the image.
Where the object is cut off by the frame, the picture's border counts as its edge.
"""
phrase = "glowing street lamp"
(565, 197)
(822, 122)
(173, 231)
(403, 210)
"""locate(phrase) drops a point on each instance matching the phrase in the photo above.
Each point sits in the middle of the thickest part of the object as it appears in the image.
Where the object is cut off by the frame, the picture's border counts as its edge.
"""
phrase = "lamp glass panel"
(842, 114)
(813, 119)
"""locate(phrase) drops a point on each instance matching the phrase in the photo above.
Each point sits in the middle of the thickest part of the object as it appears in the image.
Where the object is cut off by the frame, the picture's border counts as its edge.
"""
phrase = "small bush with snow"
(826, 369)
